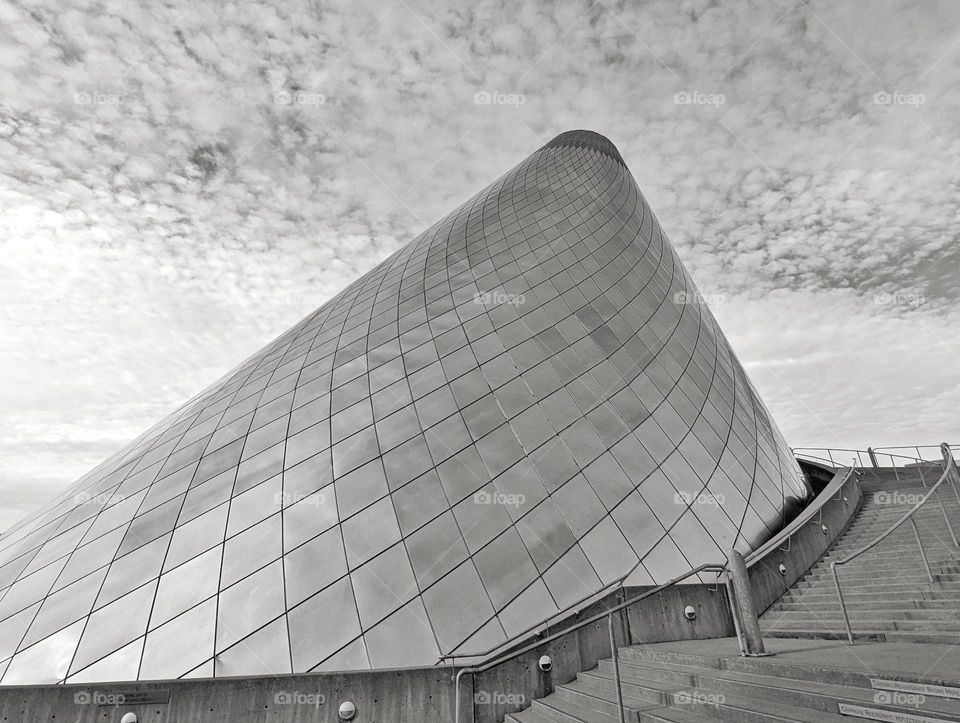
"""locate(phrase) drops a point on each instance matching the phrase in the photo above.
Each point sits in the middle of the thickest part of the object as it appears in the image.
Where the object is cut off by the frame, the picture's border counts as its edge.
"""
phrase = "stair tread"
(674, 715)
(578, 712)
(709, 679)
(889, 598)
(774, 709)
(528, 715)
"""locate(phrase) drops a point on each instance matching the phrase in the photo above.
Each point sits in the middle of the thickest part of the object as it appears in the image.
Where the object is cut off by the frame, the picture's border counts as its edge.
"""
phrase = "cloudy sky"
(182, 181)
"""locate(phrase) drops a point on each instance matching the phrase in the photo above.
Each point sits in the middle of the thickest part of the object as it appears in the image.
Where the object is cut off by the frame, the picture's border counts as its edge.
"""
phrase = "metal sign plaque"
(903, 686)
(892, 716)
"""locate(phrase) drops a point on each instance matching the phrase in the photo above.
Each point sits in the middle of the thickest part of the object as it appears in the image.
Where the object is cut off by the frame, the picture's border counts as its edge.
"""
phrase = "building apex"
(581, 138)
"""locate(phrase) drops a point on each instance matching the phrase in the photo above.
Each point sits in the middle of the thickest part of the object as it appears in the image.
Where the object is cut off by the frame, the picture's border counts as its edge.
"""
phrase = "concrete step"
(856, 568)
(820, 696)
(890, 636)
(881, 587)
(923, 518)
(874, 509)
(859, 676)
(931, 532)
(931, 522)
(553, 710)
(908, 605)
(639, 692)
(936, 557)
(868, 621)
(851, 574)
(814, 595)
(526, 716)
(863, 612)
(668, 714)
(902, 537)
(583, 695)
(886, 519)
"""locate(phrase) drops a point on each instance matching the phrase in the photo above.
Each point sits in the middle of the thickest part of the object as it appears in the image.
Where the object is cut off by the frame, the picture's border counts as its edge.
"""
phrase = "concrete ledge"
(803, 542)
(402, 695)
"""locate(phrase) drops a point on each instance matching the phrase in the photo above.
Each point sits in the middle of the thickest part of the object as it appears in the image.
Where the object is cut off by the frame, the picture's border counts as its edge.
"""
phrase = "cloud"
(181, 182)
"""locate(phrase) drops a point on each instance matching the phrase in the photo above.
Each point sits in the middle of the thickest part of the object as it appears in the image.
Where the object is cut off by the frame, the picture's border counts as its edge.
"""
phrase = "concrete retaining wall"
(421, 695)
(426, 695)
(805, 546)
(512, 685)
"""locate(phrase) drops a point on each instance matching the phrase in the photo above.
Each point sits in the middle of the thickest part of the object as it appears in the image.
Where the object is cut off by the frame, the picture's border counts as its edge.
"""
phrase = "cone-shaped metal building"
(527, 402)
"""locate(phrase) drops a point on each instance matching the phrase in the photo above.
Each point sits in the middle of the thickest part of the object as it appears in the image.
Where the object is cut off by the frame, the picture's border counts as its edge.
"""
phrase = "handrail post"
(843, 605)
(946, 518)
(951, 473)
(616, 668)
(873, 456)
(743, 596)
(923, 553)
(734, 613)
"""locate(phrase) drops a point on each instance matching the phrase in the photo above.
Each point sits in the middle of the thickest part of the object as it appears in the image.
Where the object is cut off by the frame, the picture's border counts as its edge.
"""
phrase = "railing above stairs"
(739, 602)
(899, 458)
(950, 474)
(735, 572)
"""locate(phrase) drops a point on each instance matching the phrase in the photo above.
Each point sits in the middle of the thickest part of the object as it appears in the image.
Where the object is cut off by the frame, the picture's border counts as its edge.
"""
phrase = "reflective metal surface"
(519, 406)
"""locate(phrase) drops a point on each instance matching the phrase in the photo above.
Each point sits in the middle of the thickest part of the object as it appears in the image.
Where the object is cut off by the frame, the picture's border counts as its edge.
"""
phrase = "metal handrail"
(508, 656)
(871, 453)
(949, 472)
(840, 479)
(571, 608)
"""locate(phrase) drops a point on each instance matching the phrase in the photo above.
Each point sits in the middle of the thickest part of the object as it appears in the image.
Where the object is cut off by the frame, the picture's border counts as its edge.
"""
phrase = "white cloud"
(161, 215)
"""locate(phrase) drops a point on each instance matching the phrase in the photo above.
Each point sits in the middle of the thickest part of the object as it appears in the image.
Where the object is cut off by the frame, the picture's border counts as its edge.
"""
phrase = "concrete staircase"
(887, 592)
(689, 681)
(878, 479)
(907, 630)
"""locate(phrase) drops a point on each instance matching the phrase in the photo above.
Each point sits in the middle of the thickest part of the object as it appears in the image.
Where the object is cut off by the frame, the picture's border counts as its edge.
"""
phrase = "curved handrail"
(571, 608)
(949, 471)
(510, 655)
(843, 475)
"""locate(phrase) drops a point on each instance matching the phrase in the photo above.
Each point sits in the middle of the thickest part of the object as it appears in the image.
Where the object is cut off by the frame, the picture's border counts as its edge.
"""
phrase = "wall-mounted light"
(689, 612)
(545, 663)
(347, 710)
